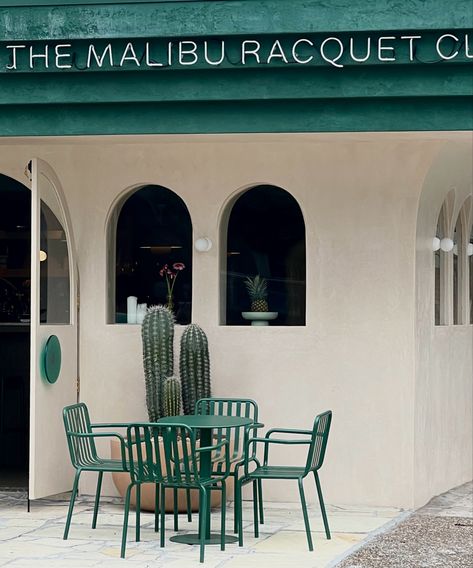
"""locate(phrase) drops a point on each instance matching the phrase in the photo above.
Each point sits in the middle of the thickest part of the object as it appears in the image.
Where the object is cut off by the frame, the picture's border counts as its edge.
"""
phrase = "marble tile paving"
(35, 539)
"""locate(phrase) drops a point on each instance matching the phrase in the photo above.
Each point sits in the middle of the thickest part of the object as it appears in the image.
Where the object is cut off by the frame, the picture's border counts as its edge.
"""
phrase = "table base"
(194, 539)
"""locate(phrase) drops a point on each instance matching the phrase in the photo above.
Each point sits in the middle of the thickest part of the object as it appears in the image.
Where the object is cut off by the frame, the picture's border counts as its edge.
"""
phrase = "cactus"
(171, 396)
(157, 333)
(194, 367)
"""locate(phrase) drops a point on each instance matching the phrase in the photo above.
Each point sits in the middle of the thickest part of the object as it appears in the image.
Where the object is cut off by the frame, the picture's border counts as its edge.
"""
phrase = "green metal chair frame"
(317, 443)
(178, 469)
(242, 407)
(144, 466)
(83, 453)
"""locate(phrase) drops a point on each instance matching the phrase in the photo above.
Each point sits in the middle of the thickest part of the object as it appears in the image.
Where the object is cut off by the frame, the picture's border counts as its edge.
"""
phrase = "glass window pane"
(457, 260)
(470, 262)
(437, 286)
(440, 261)
(266, 238)
(55, 293)
(154, 231)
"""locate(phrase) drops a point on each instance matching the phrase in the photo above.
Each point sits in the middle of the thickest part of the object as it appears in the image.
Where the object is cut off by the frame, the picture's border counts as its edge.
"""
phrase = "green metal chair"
(246, 408)
(177, 469)
(316, 439)
(84, 457)
(145, 467)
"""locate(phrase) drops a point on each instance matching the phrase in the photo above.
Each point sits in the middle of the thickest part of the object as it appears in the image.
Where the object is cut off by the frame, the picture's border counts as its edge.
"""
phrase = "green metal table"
(205, 423)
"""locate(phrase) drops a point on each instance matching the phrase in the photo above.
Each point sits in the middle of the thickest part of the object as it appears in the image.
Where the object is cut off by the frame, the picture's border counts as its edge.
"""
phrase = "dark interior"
(15, 242)
(154, 230)
(266, 236)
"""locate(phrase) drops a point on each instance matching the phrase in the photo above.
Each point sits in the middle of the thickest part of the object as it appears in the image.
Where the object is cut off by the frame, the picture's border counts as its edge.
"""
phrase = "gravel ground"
(422, 541)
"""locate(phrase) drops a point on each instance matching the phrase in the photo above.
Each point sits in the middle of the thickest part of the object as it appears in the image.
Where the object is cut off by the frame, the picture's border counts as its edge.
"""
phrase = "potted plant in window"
(171, 274)
(259, 313)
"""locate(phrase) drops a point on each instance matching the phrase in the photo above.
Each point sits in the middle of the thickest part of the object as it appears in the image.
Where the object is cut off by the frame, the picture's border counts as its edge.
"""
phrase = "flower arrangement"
(171, 275)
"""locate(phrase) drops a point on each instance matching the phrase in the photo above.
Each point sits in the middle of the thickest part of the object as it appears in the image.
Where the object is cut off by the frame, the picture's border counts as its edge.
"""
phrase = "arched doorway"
(15, 275)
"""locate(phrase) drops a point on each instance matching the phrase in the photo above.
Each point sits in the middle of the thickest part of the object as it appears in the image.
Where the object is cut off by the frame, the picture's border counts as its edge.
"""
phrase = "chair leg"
(71, 504)
(306, 516)
(125, 519)
(322, 505)
(260, 501)
(203, 521)
(236, 512)
(224, 512)
(97, 499)
(208, 521)
(189, 508)
(156, 507)
(236, 506)
(240, 511)
(260, 495)
(138, 512)
(235, 498)
(163, 511)
(176, 513)
(255, 507)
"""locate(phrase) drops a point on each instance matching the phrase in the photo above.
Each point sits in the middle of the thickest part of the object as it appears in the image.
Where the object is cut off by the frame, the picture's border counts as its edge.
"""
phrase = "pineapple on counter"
(258, 291)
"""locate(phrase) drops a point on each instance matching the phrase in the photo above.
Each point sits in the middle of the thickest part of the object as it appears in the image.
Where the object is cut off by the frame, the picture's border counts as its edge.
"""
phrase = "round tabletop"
(206, 421)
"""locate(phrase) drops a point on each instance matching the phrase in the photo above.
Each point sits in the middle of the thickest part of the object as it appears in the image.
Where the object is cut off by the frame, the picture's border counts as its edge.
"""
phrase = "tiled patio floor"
(34, 540)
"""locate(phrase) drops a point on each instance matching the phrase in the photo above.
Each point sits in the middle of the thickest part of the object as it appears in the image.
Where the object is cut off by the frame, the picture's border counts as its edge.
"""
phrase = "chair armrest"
(249, 430)
(222, 444)
(214, 447)
(288, 431)
(105, 435)
(267, 441)
(110, 425)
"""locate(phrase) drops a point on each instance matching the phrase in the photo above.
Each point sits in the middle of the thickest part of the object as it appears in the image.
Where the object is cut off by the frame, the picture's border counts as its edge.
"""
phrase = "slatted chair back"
(180, 457)
(244, 408)
(81, 449)
(143, 443)
(318, 445)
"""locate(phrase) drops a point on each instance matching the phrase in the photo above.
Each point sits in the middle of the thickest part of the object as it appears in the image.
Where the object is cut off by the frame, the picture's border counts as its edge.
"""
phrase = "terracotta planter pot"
(122, 480)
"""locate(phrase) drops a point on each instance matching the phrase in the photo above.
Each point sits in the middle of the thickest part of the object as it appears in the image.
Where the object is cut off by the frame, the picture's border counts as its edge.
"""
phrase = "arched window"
(458, 270)
(443, 258)
(266, 239)
(440, 266)
(152, 233)
(461, 285)
(470, 266)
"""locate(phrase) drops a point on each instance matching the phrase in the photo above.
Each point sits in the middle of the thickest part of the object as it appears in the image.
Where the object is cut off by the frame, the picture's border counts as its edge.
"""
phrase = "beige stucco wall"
(359, 195)
(444, 362)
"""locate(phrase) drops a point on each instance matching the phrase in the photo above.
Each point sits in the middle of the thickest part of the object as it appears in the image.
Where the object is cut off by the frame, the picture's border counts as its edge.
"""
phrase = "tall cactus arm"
(157, 334)
(194, 367)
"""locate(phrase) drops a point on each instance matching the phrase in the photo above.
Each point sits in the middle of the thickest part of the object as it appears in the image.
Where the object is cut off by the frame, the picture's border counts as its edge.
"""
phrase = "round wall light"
(446, 245)
(203, 244)
(435, 244)
(43, 255)
(469, 249)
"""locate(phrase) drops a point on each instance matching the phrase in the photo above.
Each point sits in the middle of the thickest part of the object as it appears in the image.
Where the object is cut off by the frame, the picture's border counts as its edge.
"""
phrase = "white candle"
(140, 313)
(131, 304)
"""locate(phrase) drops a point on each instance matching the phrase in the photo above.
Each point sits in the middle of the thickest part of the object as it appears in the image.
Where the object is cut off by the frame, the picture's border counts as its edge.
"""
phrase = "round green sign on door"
(52, 359)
